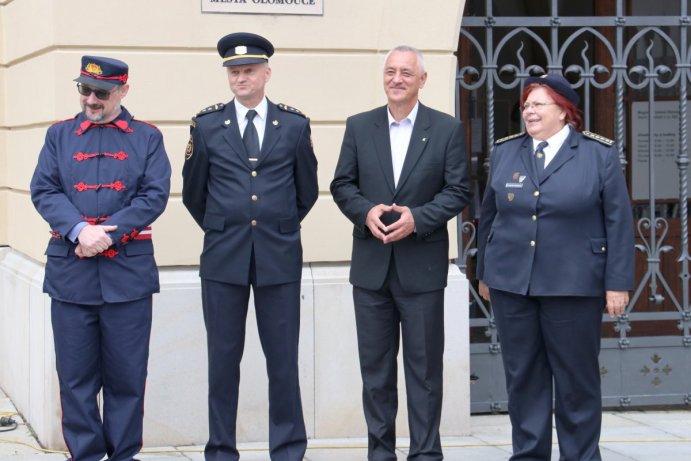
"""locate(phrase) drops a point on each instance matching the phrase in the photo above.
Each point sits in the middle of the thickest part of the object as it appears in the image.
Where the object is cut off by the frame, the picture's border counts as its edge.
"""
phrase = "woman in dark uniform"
(555, 247)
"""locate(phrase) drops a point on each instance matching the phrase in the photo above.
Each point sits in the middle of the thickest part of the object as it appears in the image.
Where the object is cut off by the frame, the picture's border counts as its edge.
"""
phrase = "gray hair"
(409, 49)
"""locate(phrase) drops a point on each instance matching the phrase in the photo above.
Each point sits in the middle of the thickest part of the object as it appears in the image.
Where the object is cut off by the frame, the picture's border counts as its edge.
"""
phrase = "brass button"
(254, 198)
(533, 217)
(536, 193)
(254, 173)
(254, 222)
(532, 243)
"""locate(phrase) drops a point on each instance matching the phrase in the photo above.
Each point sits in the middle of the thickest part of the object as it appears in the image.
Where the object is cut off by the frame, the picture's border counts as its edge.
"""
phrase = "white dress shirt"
(553, 144)
(399, 134)
(259, 119)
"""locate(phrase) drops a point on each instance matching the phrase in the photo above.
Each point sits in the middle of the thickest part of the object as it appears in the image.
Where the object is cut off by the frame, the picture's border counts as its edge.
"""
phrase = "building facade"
(327, 65)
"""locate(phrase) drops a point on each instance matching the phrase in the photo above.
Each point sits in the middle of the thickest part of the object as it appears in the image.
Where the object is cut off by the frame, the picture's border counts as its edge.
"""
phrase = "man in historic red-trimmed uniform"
(102, 178)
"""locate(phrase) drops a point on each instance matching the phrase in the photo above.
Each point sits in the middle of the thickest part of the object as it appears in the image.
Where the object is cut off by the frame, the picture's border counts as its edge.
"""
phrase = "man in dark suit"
(401, 176)
(249, 178)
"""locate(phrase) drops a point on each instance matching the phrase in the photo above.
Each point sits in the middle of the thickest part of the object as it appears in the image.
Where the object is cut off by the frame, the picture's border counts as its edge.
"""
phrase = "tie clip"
(253, 159)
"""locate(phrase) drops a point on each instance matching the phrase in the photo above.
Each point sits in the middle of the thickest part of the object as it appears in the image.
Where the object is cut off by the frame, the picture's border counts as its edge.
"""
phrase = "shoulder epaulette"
(291, 110)
(61, 121)
(597, 137)
(208, 110)
(508, 138)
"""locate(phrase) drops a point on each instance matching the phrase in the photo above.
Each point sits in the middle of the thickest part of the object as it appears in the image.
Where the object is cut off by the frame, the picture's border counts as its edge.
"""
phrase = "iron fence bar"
(646, 316)
(555, 22)
(491, 331)
(574, 21)
(683, 165)
(653, 257)
(619, 67)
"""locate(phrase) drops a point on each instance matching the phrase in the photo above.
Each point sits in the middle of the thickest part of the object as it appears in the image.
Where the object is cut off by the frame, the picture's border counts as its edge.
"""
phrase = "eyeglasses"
(536, 105)
(84, 90)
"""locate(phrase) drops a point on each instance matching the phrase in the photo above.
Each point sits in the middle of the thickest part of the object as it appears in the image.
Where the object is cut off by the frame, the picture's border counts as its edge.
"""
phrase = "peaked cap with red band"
(242, 48)
(103, 73)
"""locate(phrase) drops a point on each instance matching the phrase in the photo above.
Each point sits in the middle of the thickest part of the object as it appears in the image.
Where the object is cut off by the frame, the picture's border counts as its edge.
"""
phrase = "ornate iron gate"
(632, 72)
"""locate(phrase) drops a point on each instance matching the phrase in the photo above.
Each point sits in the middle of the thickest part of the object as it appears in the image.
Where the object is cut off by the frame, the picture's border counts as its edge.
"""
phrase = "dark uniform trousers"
(278, 321)
(103, 346)
(552, 337)
(382, 316)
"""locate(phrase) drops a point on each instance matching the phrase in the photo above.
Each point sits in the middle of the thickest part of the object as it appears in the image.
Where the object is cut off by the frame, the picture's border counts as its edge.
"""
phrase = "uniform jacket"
(246, 206)
(570, 234)
(113, 174)
(433, 184)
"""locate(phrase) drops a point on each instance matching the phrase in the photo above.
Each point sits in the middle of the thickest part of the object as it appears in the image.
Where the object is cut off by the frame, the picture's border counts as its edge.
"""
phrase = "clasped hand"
(93, 239)
(403, 227)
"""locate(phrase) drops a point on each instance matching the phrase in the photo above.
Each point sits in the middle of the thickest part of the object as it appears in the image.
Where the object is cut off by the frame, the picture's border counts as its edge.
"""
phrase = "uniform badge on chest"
(517, 182)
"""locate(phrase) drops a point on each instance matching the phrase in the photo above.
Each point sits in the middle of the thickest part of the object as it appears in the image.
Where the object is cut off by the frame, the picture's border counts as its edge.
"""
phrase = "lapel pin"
(424, 139)
(227, 122)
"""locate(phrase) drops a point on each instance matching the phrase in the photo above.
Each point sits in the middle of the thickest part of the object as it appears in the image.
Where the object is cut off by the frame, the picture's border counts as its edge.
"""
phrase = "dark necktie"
(540, 158)
(250, 137)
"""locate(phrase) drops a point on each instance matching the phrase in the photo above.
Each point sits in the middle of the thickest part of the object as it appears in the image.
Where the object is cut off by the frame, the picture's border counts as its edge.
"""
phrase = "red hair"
(573, 116)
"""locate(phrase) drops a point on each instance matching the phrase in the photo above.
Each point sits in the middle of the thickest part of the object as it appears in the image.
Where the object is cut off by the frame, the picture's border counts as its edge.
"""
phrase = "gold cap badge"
(93, 68)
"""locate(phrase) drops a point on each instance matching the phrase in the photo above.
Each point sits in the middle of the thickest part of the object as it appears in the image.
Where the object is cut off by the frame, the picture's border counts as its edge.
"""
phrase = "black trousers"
(382, 317)
(102, 347)
(550, 347)
(278, 320)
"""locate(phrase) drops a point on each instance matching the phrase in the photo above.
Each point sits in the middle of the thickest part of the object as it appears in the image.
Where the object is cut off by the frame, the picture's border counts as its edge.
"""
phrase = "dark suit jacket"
(433, 184)
(582, 227)
(243, 205)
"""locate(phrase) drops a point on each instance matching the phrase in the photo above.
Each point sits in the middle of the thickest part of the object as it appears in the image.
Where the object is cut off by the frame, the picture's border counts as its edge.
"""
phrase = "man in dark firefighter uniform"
(102, 178)
(250, 177)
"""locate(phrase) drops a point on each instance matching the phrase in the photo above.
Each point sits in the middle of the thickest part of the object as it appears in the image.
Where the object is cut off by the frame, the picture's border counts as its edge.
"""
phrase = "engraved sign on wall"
(665, 149)
(302, 7)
